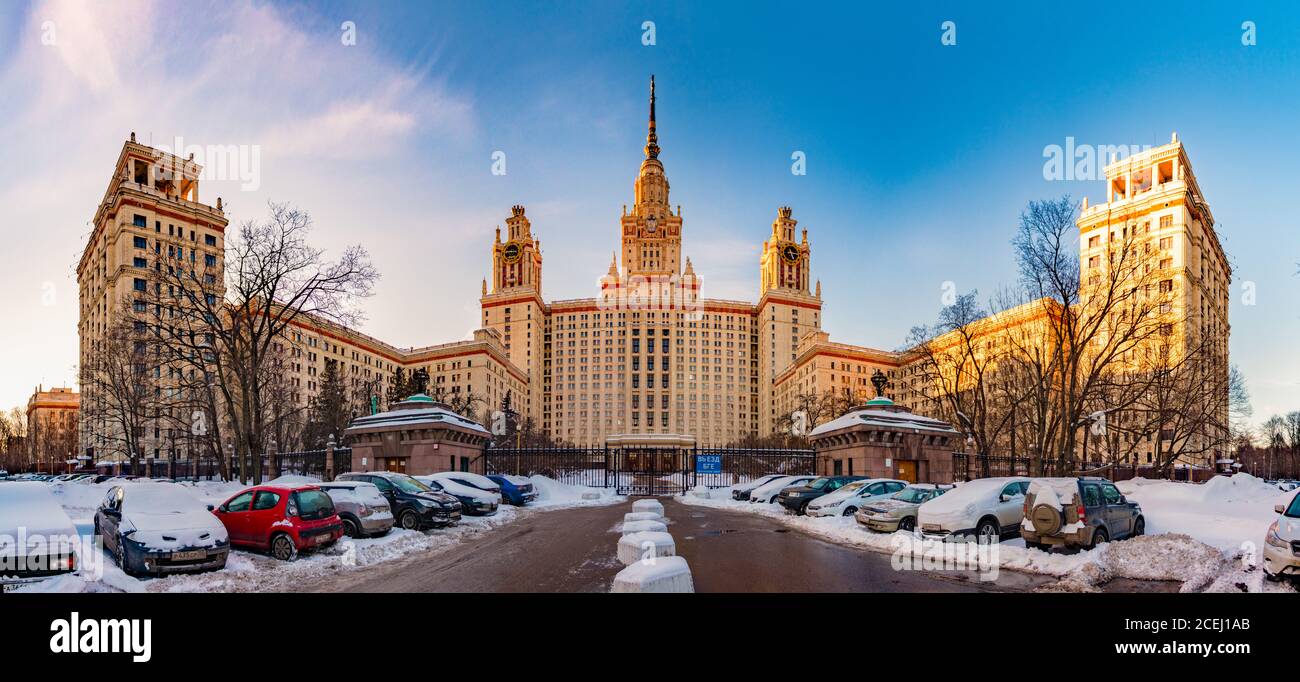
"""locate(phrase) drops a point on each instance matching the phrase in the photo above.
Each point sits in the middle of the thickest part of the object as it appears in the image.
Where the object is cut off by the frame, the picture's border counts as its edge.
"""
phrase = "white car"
(741, 491)
(766, 493)
(1282, 542)
(853, 496)
(986, 508)
(474, 501)
(50, 539)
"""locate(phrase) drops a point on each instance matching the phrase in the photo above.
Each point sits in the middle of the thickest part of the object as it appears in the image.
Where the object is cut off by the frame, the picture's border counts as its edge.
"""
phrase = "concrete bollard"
(634, 547)
(648, 506)
(642, 516)
(661, 575)
(644, 526)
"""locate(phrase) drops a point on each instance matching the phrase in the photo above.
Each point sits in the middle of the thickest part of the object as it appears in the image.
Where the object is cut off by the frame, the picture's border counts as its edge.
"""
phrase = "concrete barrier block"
(634, 547)
(642, 516)
(644, 526)
(648, 506)
(662, 575)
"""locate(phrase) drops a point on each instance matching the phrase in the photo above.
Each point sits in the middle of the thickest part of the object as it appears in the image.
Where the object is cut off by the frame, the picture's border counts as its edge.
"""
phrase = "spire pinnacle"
(651, 138)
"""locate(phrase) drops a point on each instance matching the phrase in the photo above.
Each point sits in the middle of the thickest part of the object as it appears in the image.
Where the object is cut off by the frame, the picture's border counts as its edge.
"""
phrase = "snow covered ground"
(247, 571)
(1202, 535)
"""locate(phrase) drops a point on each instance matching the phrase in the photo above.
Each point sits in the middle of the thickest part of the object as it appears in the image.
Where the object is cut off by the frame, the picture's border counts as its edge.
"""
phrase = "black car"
(415, 505)
(159, 529)
(796, 498)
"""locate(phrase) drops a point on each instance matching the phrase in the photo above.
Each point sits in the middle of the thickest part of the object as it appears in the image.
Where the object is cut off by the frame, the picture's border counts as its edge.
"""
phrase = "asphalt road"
(572, 550)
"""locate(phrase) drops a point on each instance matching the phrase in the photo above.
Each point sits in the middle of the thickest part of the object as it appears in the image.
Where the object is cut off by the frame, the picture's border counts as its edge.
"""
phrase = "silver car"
(363, 510)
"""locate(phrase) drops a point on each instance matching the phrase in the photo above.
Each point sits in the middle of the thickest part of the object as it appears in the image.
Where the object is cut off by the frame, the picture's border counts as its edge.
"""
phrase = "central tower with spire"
(652, 232)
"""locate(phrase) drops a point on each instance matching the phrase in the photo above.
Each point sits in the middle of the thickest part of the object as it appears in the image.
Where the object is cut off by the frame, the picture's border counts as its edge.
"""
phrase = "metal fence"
(970, 466)
(648, 470)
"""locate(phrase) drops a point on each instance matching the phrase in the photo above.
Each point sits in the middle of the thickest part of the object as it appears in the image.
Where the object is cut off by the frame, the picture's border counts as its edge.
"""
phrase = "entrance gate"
(649, 470)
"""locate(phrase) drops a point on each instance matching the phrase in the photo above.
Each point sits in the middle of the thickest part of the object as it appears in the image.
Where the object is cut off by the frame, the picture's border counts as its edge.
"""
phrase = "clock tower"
(789, 306)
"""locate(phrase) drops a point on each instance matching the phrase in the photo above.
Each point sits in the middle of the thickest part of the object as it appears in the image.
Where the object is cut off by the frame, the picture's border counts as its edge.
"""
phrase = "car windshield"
(819, 483)
(409, 485)
(313, 504)
(913, 495)
(1294, 510)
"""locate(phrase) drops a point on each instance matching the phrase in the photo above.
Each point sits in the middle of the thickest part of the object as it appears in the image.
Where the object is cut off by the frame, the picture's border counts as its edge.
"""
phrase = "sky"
(386, 121)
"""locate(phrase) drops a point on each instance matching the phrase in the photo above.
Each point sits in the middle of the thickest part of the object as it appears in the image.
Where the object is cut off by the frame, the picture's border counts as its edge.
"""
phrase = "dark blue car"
(515, 490)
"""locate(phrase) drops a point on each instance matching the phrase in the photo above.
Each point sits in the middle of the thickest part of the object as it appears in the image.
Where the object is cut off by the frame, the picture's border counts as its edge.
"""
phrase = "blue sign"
(708, 464)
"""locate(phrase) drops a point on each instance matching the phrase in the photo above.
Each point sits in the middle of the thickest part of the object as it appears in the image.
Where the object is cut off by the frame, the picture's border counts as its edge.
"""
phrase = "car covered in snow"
(474, 500)
(849, 498)
(515, 490)
(159, 529)
(1077, 512)
(1282, 542)
(284, 519)
(986, 509)
(740, 492)
(898, 511)
(37, 540)
(362, 509)
(767, 493)
(415, 505)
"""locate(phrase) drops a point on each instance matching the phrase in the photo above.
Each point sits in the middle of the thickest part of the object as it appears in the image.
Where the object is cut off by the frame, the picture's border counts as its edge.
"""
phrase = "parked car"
(415, 505)
(281, 518)
(515, 490)
(898, 511)
(160, 528)
(986, 508)
(1287, 485)
(363, 510)
(741, 492)
(51, 538)
(849, 498)
(766, 493)
(473, 500)
(1282, 542)
(1077, 512)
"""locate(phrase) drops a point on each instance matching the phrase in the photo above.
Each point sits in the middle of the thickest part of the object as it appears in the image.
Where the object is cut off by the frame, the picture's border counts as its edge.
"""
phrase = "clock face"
(790, 253)
(513, 252)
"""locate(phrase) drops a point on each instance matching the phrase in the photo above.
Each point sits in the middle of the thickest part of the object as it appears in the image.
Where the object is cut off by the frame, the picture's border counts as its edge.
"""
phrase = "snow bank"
(1225, 512)
(552, 493)
(662, 575)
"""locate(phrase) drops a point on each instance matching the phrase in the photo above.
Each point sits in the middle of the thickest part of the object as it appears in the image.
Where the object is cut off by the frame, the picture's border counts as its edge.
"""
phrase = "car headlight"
(1274, 539)
(793, 494)
(427, 503)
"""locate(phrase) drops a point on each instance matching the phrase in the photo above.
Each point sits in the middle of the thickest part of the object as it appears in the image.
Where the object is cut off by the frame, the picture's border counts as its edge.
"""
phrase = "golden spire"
(651, 139)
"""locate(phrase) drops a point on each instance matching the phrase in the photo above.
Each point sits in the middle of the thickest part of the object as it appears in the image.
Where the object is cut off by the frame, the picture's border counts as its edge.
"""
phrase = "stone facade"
(418, 436)
(882, 440)
(52, 417)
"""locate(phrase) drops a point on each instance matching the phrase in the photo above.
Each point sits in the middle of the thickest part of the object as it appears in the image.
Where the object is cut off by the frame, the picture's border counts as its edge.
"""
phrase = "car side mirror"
(211, 508)
(1004, 497)
(1279, 509)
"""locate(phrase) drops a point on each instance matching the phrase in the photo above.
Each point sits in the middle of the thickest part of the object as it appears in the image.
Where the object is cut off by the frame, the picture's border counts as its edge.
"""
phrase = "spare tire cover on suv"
(1046, 519)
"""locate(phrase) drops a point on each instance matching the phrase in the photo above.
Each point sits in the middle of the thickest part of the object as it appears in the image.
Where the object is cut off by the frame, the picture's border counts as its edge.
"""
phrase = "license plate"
(189, 556)
(322, 539)
(931, 526)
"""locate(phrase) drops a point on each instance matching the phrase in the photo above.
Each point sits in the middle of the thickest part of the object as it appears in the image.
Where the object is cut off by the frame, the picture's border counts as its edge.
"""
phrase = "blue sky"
(919, 156)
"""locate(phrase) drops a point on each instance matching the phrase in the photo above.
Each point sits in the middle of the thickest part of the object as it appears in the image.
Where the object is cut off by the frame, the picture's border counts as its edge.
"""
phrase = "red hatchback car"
(282, 519)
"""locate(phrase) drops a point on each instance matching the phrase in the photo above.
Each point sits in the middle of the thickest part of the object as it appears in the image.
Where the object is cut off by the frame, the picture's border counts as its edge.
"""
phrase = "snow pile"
(291, 480)
(1173, 557)
(1226, 512)
(661, 575)
(552, 493)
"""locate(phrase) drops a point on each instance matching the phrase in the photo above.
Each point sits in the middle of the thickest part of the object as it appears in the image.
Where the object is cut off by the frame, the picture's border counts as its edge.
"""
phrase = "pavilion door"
(907, 471)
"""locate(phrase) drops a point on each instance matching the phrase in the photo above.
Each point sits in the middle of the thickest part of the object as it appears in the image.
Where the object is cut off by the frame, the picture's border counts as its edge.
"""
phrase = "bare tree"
(119, 379)
(235, 322)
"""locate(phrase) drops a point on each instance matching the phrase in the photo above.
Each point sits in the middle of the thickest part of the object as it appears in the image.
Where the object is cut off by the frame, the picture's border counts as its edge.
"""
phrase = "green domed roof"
(879, 401)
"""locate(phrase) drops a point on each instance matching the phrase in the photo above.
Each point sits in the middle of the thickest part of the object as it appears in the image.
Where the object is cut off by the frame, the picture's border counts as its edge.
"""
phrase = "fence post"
(328, 474)
(273, 457)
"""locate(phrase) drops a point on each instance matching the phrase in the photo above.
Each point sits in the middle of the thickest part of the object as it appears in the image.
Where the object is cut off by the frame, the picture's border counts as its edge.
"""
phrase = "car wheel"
(988, 531)
(1038, 546)
(850, 511)
(1272, 577)
(907, 524)
(1139, 526)
(282, 548)
(119, 555)
(1099, 536)
(410, 521)
(350, 528)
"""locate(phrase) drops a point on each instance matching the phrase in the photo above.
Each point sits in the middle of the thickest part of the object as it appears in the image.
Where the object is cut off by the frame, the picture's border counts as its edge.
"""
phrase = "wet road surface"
(572, 550)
